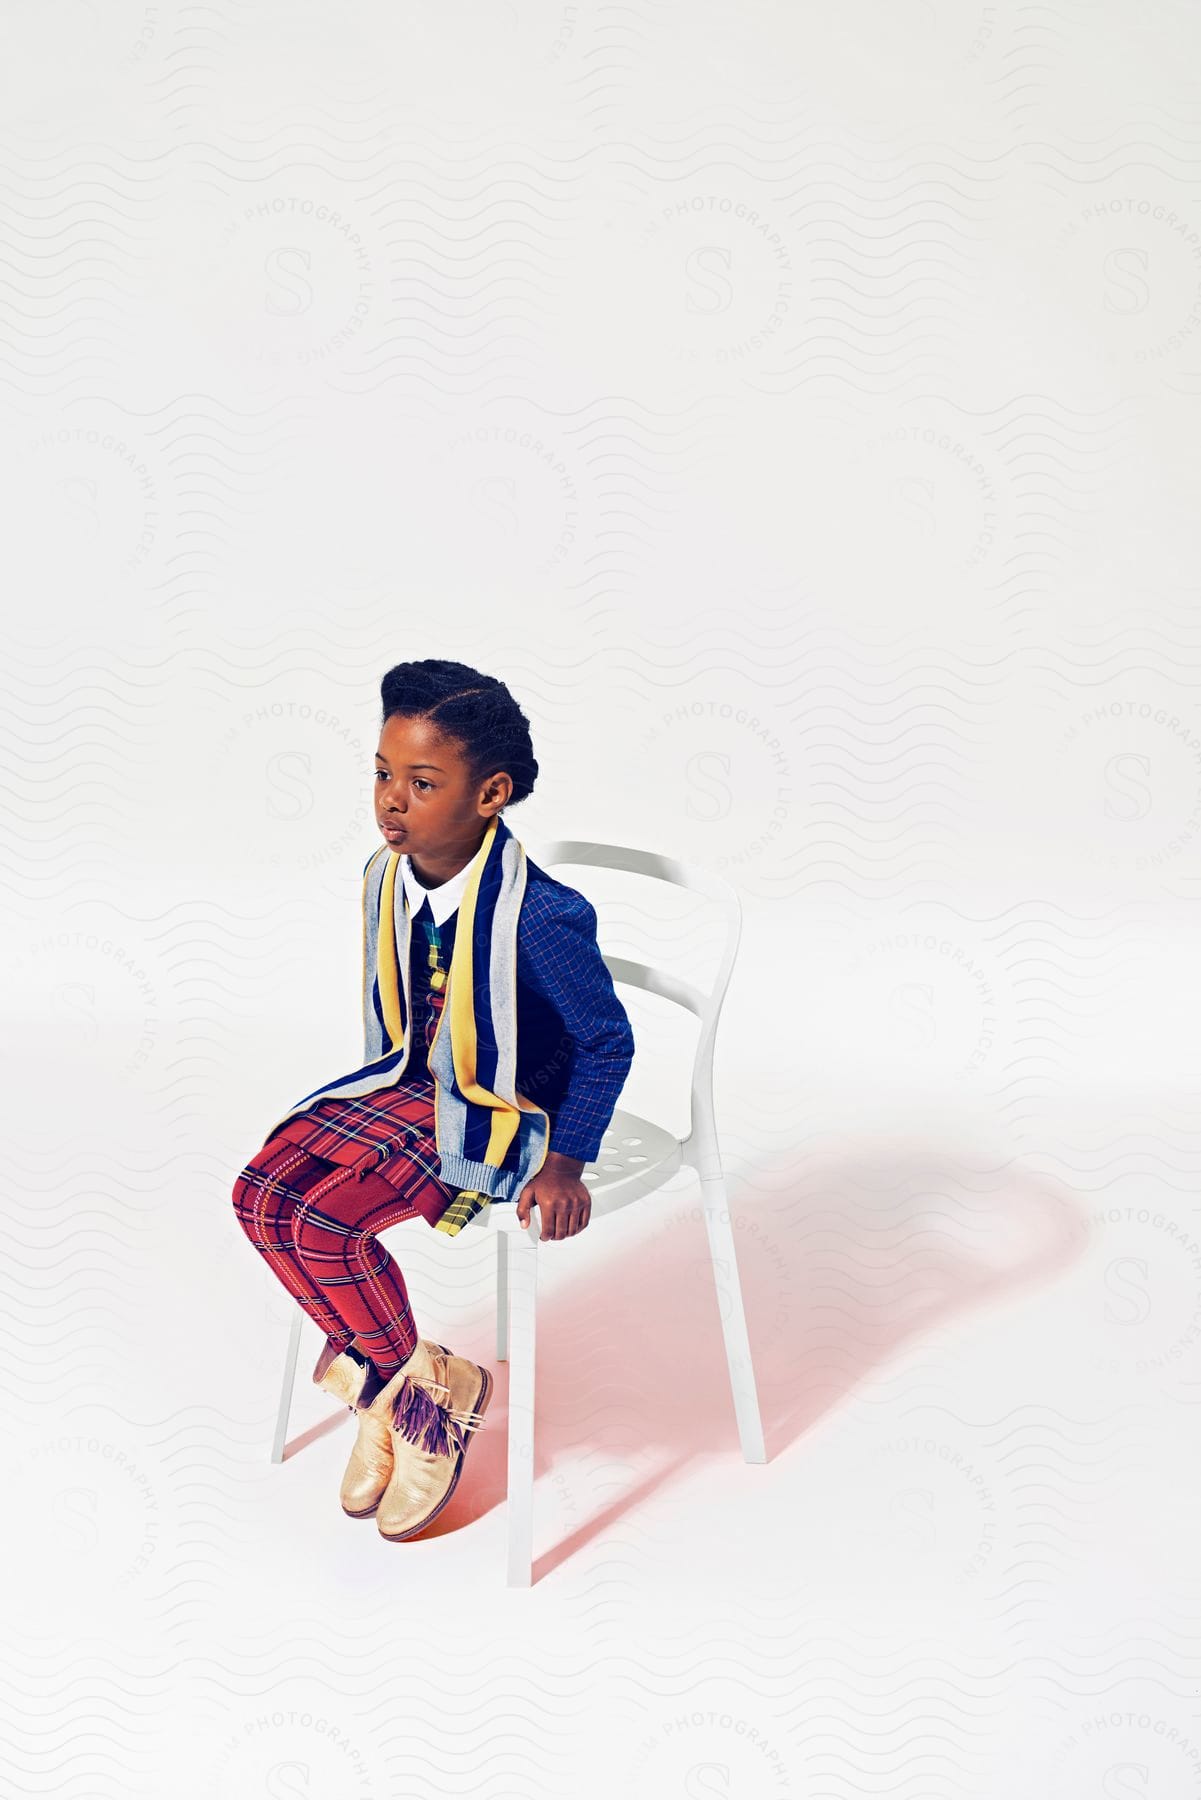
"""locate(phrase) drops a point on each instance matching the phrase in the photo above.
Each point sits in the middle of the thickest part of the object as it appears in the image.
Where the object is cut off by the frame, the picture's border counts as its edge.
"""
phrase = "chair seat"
(636, 1156)
(632, 1148)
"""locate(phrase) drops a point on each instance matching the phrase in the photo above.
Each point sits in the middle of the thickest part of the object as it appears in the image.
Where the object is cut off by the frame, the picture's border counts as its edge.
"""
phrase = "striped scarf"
(491, 1139)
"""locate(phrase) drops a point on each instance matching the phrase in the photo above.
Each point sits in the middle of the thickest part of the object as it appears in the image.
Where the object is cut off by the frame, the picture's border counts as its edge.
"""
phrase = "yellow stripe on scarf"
(387, 958)
(460, 1002)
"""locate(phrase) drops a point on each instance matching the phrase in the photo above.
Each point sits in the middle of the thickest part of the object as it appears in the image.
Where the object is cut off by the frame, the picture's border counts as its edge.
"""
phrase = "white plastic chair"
(636, 1158)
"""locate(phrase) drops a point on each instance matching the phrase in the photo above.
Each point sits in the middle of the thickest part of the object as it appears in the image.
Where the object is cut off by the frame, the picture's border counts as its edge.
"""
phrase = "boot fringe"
(419, 1419)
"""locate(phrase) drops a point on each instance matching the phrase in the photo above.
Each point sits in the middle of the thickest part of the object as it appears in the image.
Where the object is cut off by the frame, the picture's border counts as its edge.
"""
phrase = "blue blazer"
(575, 1044)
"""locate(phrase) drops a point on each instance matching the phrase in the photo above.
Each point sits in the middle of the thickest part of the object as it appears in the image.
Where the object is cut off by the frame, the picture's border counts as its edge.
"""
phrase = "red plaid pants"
(316, 1195)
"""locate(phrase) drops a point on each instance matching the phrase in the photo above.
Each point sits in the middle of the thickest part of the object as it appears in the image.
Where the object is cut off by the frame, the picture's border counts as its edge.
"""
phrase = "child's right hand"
(564, 1203)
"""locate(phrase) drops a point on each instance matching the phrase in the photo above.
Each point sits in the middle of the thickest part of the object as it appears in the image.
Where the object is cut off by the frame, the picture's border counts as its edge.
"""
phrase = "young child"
(495, 1049)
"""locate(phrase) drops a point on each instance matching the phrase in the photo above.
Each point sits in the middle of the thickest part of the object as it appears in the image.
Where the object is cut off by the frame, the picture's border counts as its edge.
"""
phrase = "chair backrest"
(695, 879)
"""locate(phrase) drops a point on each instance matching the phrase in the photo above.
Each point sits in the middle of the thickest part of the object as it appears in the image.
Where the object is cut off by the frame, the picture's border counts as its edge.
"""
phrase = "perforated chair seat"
(636, 1157)
(633, 1150)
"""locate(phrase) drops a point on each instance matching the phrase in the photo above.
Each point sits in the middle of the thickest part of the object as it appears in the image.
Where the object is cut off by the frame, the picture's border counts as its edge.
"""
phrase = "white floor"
(968, 1567)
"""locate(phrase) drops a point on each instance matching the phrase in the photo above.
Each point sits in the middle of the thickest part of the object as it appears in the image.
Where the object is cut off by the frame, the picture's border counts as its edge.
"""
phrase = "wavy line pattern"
(796, 407)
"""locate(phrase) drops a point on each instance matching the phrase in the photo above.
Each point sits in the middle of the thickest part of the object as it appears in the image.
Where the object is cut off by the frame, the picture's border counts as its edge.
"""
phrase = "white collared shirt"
(443, 900)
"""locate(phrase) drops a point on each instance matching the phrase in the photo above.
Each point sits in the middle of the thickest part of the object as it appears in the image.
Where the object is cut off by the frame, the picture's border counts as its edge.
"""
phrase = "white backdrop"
(797, 406)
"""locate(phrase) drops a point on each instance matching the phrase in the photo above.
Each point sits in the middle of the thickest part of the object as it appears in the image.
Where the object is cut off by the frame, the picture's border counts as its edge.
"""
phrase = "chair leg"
(733, 1315)
(286, 1392)
(502, 1295)
(523, 1291)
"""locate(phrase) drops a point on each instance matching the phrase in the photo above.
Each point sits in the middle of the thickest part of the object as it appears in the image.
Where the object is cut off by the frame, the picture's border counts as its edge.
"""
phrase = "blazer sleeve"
(560, 956)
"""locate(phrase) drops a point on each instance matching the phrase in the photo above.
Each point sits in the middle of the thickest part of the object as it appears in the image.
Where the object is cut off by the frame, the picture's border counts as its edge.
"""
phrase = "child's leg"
(334, 1230)
(265, 1198)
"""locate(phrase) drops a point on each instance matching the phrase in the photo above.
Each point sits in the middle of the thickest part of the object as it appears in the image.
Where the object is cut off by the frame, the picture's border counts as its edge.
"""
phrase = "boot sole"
(480, 1406)
(367, 1513)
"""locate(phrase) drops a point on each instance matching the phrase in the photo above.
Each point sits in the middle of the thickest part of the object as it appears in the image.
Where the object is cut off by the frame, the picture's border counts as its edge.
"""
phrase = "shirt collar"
(443, 900)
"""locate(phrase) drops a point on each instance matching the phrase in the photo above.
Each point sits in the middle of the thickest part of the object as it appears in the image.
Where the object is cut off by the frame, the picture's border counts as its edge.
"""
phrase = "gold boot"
(370, 1467)
(338, 1373)
(436, 1400)
(358, 1386)
(371, 1461)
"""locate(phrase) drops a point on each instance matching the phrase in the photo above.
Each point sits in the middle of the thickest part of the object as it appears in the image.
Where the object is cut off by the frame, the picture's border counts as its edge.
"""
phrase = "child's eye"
(382, 775)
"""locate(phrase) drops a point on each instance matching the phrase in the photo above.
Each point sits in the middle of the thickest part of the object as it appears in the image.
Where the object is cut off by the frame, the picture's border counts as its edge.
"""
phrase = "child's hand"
(564, 1203)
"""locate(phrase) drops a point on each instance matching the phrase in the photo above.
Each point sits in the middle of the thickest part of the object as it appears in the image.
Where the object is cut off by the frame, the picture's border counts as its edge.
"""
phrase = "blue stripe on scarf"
(382, 1067)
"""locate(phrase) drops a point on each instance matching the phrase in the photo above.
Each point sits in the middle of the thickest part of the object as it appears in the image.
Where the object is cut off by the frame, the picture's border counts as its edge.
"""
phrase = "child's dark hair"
(477, 710)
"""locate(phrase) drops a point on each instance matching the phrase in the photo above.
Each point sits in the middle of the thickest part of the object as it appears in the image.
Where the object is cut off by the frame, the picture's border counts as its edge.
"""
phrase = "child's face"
(425, 804)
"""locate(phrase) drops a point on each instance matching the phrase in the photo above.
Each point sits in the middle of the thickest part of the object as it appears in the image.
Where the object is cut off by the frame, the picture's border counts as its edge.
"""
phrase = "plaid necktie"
(461, 1211)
